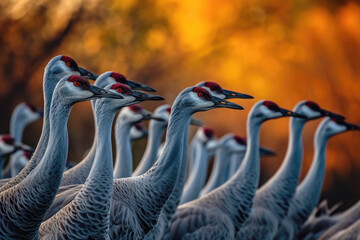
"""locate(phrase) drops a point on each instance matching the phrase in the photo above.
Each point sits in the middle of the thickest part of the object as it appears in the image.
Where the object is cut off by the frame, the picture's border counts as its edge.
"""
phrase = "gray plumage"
(88, 214)
(273, 199)
(308, 192)
(221, 213)
(54, 71)
(24, 205)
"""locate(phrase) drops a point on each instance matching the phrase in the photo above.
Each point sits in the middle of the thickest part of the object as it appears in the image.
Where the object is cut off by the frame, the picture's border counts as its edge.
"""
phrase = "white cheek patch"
(310, 113)
(201, 102)
(335, 128)
(135, 133)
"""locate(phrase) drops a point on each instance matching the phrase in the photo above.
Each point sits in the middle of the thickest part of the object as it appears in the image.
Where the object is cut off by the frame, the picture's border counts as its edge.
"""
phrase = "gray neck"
(49, 84)
(42, 184)
(99, 184)
(235, 162)
(124, 162)
(308, 192)
(197, 176)
(217, 177)
(156, 132)
(18, 122)
(237, 194)
(163, 175)
(279, 190)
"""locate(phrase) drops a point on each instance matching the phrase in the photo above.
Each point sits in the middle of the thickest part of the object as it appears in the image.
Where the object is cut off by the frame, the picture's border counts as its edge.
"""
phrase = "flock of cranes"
(166, 196)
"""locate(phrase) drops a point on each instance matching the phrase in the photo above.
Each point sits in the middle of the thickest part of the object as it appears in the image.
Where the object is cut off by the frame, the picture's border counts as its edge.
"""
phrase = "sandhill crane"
(308, 192)
(133, 198)
(8, 146)
(57, 68)
(79, 173)
(23, 114)
(272, 200)
(221, 213)
(138, 131)
(172, 203)
(203, 140)
(156, 132)
(87, 216)
(126, 118)
(24, 205)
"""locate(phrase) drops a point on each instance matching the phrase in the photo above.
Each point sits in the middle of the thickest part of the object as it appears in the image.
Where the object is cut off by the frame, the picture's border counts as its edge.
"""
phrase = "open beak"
(265, 152)
(87, 74)
(289, 113)
(230, 94)
(140, 86)
(100, 93)
(140, 96)
(225, 104)
(196, 122)
(350, 126)
(327, 113)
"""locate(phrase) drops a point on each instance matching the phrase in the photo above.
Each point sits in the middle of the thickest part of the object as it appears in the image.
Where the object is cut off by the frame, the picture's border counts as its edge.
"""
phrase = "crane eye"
(68, 64)
(119, 90)
(76, 84)
(200, 94)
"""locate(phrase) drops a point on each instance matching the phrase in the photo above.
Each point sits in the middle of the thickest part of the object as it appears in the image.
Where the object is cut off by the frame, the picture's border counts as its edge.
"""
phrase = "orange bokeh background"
(285, 51)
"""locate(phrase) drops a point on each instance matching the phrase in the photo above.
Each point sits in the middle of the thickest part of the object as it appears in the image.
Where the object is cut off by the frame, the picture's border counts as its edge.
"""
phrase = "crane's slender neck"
(277, 193)
(49, 83)
(124, 162)
(163, 176)
(156, 132)
(308, 192)
(235, 162)
(42, 184)
(238, 193)
(217, 177)
(79, 173)
(18, 122)
(99, 184)
(197, 176)
(315, 177)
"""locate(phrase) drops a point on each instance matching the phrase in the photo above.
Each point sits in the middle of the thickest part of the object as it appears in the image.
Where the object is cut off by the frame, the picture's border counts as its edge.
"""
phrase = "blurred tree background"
(285, 51)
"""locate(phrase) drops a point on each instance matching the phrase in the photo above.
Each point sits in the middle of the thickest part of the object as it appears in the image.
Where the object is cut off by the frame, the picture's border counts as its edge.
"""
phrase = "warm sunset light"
(283, 51)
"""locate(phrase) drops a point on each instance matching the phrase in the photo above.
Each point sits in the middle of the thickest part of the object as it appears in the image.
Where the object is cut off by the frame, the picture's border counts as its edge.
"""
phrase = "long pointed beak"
(289, 113)
(351, 126)
(140, 86)
(230, 94)
(140, 96)
(225, 104)
(265, 152)
(87, 74)
(327, 113)
(148, 115)
(196, 122)
(100, 93)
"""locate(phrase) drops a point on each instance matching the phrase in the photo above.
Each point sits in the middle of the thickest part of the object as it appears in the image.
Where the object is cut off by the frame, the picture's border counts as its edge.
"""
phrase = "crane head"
(72, 67)
(120, 78)
(269, 110)
(217, 91)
